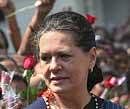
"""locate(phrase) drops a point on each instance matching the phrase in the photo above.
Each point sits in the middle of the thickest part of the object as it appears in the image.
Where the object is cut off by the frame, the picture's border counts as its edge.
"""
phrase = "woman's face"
(64, 65)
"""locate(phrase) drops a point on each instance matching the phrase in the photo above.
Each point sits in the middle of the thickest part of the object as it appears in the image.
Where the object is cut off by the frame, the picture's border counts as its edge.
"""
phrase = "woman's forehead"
(56, 37)
(55, 42)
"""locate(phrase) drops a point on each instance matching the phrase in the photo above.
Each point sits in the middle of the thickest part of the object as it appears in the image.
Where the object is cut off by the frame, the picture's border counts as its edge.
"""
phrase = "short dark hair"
(18, 77)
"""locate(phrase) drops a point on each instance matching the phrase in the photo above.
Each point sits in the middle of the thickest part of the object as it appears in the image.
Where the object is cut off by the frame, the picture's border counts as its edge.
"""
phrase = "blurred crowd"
(113, 56)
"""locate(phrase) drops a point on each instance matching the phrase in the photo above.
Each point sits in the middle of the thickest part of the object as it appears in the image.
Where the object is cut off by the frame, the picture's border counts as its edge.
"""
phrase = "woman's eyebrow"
(59, 51)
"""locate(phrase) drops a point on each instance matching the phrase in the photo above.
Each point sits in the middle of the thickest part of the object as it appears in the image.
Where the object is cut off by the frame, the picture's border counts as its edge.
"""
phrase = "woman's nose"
(54, 64)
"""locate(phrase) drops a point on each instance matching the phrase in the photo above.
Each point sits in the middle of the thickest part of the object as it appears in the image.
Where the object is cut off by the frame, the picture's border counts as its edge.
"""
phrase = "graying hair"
(69, 21)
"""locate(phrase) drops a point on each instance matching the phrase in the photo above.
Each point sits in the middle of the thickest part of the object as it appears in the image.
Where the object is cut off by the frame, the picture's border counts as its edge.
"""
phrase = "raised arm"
(43, 7)
(8, 8)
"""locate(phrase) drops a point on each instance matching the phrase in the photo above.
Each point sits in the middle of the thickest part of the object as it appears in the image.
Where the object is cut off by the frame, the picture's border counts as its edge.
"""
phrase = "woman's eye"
(65, 56)
(46, 58)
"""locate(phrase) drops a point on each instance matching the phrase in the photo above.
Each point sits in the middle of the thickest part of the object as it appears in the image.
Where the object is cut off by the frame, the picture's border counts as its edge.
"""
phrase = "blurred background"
(108, 12)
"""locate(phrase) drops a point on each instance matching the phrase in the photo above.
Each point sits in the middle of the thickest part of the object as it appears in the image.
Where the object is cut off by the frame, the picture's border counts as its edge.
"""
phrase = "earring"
(91, 66)
(92, 69)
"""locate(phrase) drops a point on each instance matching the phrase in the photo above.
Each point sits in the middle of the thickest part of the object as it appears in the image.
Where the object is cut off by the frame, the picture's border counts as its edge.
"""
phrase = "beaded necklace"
(93, 103)
(49, 97)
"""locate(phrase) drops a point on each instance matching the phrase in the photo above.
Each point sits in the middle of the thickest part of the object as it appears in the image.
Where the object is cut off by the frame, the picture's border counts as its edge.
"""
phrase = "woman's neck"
(74, 100)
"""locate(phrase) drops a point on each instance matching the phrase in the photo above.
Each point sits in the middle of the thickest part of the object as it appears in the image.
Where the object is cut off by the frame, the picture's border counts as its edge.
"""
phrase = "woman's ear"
(92, 54)
(94, 77)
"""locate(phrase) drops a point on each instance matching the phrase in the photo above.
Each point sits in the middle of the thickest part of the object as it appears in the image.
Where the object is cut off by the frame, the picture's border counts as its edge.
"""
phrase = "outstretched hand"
(44, 6)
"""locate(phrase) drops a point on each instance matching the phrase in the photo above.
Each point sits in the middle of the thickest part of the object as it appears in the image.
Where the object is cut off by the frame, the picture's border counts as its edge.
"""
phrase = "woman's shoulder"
(37, 104)
(108, 104)
(111, 105)
(105, 104)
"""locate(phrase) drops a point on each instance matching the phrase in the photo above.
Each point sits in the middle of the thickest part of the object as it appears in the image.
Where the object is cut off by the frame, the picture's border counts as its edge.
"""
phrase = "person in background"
(66, 47)
(8, 7)
(43, 7)
(13, 64)
(18, 83)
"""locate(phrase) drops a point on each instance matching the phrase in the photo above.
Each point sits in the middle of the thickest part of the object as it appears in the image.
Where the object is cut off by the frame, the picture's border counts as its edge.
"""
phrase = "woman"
(67, 54)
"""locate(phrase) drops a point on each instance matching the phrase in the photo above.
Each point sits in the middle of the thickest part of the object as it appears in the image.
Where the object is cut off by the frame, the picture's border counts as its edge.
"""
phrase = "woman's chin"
(59, 89)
